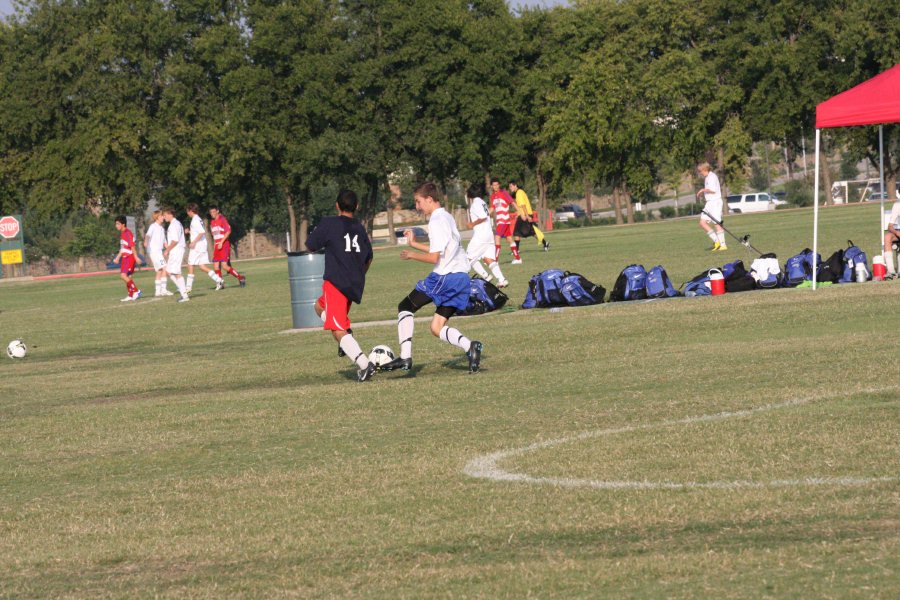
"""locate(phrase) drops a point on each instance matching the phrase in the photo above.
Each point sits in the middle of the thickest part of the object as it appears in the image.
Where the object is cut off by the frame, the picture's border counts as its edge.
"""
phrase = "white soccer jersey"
(443, 237)
(895, 215)
(483, 232)
(156, 237)
(712, 183)
(198, 234)
(175, 233)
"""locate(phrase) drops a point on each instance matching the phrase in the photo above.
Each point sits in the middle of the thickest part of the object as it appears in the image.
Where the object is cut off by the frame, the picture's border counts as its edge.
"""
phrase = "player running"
(481, 246)
(198, 254)
(126, 258)
(348, 254)
(501, 202)
(712, 211)
(174, 251)
(526, 225)
(154, 243)
(221, 232)
(447, 285)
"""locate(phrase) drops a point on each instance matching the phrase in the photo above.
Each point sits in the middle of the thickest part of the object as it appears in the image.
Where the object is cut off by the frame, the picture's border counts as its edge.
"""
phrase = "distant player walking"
(481, 246)
(198, 253)
(126, 259)
(155, 243)
(447, 285)
(525, 225)
(712, 211)
(348, 254)
(501, 204)
(221, 232)
(174, 251)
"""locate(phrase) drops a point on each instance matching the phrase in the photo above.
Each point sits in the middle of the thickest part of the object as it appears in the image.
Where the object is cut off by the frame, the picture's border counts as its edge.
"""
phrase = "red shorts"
(222, 254)
(336, 307)
(126, 264)
(504, 230)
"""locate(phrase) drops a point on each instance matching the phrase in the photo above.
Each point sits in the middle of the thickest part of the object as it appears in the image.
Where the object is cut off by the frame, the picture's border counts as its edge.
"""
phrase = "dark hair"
(474, 190)
(122, 219)
(428, 190)
(193, 208)
(347, 201)
(168, 209)
(213, 207)
(494, 180)
(513, 182)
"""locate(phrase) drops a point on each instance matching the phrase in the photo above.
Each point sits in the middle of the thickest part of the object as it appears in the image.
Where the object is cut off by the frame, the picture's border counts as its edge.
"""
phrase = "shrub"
(798, 193)
(666, 212)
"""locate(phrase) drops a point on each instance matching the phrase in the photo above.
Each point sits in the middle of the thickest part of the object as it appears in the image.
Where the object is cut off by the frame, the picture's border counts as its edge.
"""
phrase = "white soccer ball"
(16, 349)
(381, 355)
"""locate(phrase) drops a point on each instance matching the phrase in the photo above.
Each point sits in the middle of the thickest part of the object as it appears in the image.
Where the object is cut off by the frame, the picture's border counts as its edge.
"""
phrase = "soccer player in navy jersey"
(447, 285)
(348, 254)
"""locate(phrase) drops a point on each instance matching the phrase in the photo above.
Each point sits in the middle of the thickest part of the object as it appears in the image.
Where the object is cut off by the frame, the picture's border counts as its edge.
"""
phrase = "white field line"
(487, 466)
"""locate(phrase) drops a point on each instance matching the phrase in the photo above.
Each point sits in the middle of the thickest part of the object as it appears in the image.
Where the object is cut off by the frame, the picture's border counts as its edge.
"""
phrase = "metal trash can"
(305, 271)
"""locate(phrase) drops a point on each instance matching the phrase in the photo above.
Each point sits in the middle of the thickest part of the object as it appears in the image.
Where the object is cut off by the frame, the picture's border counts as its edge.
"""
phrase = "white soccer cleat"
(126, 299)
(517, 261)
(502, 284)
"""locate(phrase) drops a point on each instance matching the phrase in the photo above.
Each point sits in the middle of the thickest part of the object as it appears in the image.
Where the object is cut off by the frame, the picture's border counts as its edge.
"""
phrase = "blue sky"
(6, 5)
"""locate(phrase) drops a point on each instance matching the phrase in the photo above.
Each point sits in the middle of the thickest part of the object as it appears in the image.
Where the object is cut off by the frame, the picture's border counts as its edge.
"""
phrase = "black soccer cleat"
(341, 353)
(242, 281)
(403, 364)
(367, 373)
(546, 246)
(474, 355)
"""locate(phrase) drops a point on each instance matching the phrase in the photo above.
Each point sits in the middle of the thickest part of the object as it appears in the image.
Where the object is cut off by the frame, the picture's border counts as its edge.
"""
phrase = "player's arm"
(472, 224)
(200, 236)
(427, 257)
(169, 246)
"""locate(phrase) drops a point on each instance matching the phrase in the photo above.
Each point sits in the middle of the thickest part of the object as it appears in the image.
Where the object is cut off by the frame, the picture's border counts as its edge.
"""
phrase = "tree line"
(266, 107)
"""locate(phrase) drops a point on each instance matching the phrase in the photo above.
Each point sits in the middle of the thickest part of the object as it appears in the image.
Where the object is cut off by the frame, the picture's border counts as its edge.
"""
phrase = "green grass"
(157, 449)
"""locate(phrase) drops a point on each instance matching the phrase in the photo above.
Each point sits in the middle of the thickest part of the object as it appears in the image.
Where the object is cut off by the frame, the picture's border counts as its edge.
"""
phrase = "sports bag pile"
(766, 271)
(555, 287)
(800, 268)
(484, 297)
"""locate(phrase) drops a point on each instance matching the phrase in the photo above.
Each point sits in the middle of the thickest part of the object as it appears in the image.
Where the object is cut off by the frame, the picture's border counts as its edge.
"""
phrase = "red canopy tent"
(872, 102)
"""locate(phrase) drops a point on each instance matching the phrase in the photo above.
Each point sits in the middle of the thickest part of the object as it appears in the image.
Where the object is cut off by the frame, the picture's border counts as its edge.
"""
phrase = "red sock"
(231, 271)
(219, 273)
(515, 251)
(131, 288)
(496, 251)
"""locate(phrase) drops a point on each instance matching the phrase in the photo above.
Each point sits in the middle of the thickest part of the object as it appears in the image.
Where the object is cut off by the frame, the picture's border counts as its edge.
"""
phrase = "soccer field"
(739, 446)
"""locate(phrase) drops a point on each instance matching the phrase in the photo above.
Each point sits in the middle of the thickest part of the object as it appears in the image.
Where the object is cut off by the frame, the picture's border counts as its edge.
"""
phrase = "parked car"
(420, 234)
(753, 202)
(569, 211)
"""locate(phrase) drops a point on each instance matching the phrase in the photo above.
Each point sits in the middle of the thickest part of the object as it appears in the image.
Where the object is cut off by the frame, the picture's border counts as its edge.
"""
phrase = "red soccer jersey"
(501, 201)
(126, 242)
(219, 228)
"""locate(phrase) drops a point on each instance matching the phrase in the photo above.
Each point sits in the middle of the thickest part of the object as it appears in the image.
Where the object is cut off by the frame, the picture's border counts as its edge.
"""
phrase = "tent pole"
(883, 191)
(816, 208)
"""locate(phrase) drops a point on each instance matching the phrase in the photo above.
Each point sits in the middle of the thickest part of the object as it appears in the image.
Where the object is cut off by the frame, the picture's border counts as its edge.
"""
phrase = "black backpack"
(831, 270)
(484, 297)
(737, 279)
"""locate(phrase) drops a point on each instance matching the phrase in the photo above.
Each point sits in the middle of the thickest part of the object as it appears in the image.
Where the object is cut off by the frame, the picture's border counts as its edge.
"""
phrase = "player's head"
(192, 209)
(495, 184)
(168, 213)
(704, 168)
(428, 197)
(214, 211)
(513, 186)
(347, 202)
(474, 191)
(121, 222)
(157, 216)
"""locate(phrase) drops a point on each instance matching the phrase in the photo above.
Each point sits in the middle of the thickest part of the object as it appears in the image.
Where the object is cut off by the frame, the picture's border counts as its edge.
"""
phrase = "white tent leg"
(816, 207)
(883, 191)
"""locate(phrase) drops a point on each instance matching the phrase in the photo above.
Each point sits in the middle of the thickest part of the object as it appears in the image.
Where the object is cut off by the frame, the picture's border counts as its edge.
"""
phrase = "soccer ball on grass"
(16, 349)
(381, 355)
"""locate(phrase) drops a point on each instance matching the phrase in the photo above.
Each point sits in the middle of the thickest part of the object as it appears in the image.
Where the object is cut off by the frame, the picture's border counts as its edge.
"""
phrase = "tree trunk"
(826, 174)
(303, 207)
(292, 220)
(588, 196)
(541, 186)
(617, 205)
(787, 160)
(371, 197)
(392, 237)
(720, 158)
(629, 205)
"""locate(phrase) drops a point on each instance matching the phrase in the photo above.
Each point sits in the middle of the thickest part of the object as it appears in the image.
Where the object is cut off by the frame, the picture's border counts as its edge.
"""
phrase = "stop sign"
(9, 227)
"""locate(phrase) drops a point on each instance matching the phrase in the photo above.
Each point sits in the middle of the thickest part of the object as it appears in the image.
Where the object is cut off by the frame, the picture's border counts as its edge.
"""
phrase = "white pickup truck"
(753, 202)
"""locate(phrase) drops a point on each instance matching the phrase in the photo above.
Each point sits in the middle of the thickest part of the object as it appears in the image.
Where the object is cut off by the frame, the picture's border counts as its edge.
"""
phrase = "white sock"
(179, 283)
(495, 269)
(889, 261)
(451, 335)
(190, 281)
(214, 277)
(720, 235)
(480, 270)
(159, 287)
(405, 326)
(712, 236)
(352, 350)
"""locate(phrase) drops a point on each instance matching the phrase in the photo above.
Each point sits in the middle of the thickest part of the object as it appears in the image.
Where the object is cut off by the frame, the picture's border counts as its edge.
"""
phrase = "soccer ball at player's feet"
(474, 355)
(381, 355)
(16, 349)
(402, 364)
(242, 281)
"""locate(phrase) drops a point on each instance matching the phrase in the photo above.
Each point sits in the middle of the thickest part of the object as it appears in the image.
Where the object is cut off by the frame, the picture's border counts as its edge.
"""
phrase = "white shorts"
(477, 250)
(714, 209)
(176, 256)
(198, 256)
(157, 260)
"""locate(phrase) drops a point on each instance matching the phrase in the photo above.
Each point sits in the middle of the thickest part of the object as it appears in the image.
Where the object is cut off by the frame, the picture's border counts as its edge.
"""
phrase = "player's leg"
(888, 253)
(474, 252)
(497, 246)
(450, 296)
(242, 281)
(334, 308)
(173, 266)
(720, 237)
(217, 271)
(494, 266)
(406, 310)
(711, 234)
